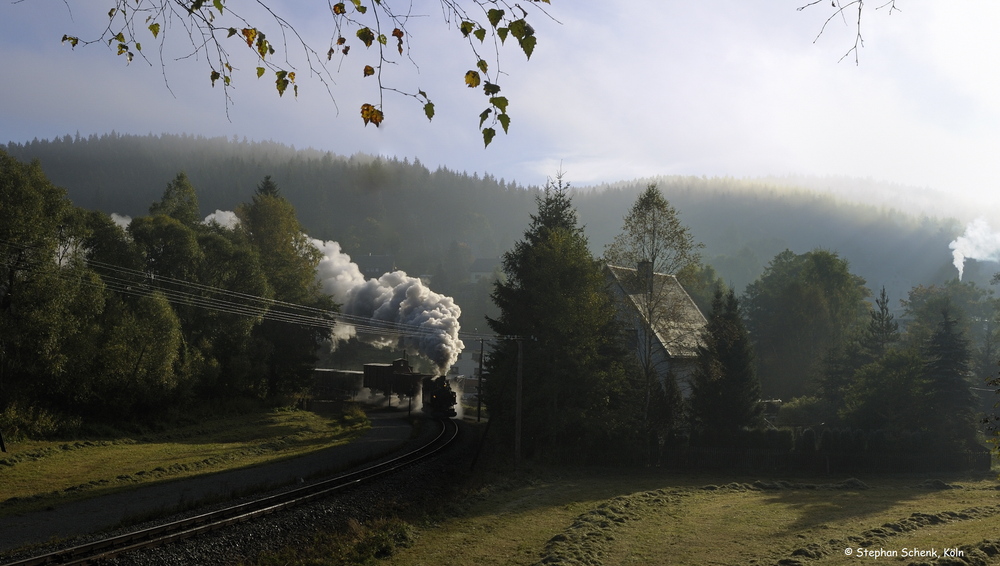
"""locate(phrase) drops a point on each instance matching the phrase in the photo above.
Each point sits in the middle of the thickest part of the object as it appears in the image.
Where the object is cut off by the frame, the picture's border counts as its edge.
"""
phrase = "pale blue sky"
(614, 91)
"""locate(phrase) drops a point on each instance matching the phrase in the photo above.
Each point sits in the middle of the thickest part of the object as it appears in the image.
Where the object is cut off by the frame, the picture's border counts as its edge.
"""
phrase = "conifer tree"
(949, 398)
(882, 331)
(725, 392)
(180, 202)
(843, 364)
(575, 400)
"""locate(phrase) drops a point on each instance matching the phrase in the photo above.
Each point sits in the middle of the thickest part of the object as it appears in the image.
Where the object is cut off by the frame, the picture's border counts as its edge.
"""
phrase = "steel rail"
(214, 520)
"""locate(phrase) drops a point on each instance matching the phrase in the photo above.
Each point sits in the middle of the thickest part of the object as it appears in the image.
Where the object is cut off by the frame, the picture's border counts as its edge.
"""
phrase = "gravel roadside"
(389, 431)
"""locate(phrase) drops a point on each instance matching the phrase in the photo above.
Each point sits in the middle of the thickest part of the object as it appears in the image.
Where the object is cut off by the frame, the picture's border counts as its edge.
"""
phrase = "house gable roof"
(678, 326)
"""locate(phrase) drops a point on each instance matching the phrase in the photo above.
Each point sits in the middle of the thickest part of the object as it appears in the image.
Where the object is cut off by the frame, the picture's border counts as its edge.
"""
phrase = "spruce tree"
(882, 331)
(949, 412)
(725, 391)
(843, 364)
(575, 403)
(180, 202)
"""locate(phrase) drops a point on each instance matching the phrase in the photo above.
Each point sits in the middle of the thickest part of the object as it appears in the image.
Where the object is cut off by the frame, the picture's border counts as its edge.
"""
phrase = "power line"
(139, 283)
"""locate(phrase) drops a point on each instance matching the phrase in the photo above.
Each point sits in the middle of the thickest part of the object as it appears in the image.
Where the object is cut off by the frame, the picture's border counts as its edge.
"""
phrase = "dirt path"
(389, 432)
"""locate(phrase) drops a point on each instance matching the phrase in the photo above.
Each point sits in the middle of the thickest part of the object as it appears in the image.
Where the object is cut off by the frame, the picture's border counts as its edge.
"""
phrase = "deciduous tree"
(801, 308)
(653, 240)
(179, 201)
(288, 261)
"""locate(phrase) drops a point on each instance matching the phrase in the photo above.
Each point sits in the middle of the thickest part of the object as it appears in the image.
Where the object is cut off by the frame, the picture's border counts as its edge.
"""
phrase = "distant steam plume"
(224, 218)
(979, 242)
(122, 220)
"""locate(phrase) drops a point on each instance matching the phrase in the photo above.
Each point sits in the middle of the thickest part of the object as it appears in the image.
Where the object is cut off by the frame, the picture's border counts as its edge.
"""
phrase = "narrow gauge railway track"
(193, 526)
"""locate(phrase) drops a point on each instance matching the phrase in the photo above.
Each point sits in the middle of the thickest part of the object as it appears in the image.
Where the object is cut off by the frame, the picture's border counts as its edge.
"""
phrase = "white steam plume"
(224, 218)
(394, 298)
(979, 242)
(338, 275)
(122, 220)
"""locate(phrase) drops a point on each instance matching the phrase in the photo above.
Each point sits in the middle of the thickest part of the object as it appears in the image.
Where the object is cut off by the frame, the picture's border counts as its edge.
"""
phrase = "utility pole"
(479, 381)
(517, 403)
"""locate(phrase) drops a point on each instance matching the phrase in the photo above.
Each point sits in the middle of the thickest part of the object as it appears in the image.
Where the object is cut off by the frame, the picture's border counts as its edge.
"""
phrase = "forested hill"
(745, 224)
(368, 204)
(438, 221)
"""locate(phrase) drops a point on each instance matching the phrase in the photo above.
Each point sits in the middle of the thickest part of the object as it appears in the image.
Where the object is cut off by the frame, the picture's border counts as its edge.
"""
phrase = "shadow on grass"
(817, 503)
(808, 504)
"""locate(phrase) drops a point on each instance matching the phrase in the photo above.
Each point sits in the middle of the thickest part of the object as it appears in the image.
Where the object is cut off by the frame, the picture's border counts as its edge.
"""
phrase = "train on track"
(385, 380)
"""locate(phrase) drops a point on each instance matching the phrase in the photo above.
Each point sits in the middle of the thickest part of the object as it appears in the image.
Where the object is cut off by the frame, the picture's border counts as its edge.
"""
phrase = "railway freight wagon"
(337, 384)
(397, 378)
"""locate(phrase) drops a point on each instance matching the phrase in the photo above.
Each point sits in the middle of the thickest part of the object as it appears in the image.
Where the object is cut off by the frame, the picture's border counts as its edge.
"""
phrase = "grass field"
(551, 515)
(39, 474)
(620, 518)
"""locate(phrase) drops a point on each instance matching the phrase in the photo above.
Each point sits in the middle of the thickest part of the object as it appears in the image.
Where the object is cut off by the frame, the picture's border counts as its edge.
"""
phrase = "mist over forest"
(436, 222)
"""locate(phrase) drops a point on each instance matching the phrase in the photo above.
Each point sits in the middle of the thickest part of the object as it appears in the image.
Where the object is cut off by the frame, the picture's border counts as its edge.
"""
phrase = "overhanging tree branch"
(210, 25)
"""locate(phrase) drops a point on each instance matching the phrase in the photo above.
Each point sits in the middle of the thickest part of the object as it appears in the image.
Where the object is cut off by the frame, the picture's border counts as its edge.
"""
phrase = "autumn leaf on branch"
(371, 114)
(210, 24)
(366, 36)
(472, 79)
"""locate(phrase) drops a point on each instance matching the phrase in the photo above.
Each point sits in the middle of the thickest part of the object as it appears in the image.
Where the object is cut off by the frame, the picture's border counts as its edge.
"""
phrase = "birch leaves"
(370, 35)
(518, 29)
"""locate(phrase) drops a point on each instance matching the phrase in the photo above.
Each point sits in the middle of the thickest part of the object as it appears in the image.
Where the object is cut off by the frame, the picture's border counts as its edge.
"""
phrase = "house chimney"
(645, 273)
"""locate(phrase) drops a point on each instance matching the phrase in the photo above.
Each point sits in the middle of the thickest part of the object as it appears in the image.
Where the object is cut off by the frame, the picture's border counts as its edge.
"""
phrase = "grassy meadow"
(548, 515)
(623, 518)
(40, 474)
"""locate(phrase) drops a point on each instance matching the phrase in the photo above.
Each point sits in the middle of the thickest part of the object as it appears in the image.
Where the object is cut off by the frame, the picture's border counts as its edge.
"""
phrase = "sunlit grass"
(38, 474)
(674, 520)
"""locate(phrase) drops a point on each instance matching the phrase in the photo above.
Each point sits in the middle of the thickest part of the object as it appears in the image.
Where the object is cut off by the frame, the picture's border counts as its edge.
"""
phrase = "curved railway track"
(193, 526)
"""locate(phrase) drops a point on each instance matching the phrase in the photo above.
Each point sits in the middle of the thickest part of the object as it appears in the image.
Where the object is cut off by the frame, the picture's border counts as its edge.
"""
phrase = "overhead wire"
(134, 282)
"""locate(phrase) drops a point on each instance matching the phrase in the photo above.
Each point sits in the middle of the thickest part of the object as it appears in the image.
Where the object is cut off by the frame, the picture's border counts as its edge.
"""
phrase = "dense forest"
(838, 299)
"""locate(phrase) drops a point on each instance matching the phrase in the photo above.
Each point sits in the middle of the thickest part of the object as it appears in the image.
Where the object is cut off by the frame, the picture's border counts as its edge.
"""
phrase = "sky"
(613, 91)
